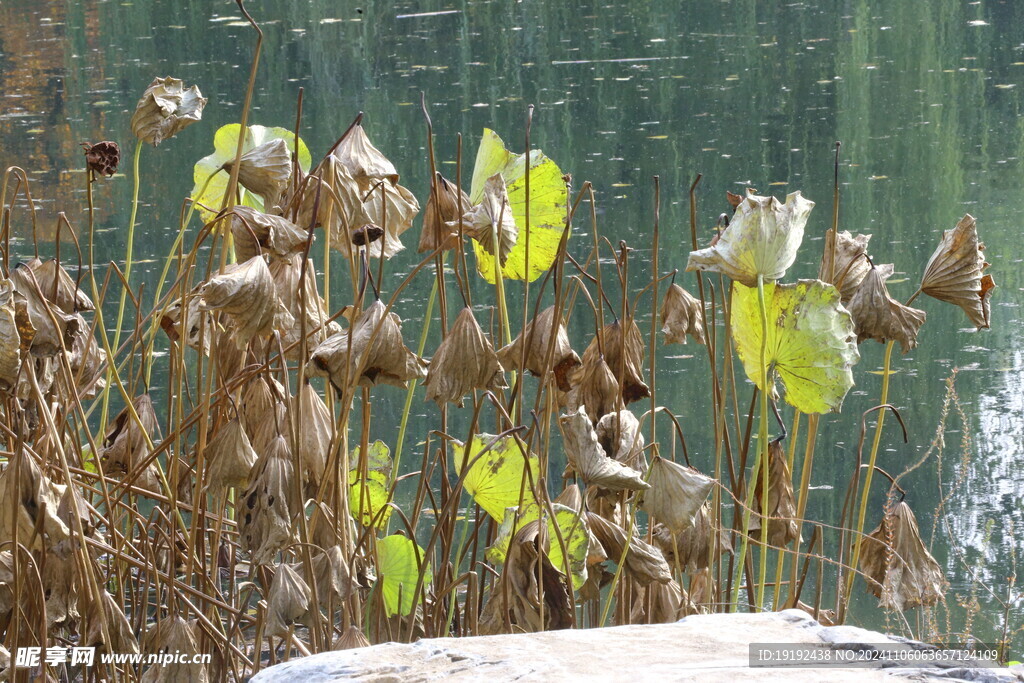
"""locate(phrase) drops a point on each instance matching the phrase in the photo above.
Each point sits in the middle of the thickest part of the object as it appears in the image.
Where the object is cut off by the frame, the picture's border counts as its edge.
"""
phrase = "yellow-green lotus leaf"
(225, 143)
(547, 207)
(762, 239)
(497, 479)
(398, 571)
(811, 343)
(368, 495)
(569, 525)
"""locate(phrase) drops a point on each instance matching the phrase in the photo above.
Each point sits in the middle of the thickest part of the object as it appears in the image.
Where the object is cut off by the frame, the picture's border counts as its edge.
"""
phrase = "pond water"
(925, 98)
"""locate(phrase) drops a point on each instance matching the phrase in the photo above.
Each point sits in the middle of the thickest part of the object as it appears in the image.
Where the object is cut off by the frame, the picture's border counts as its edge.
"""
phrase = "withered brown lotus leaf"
(351, 639)
(60, 585)
(851, 264)
(442, 209)
(166, 108)
(955, 272)
(258, 233)
(288, 600)
(335, 581)
(620, 437)
(681, 316)
(10, 340)
(464, 361)
(261, 394)
(268, 504)
(174, 635)
(246, 293)
(122, 639)
(229, 457)
(125, 446)
(198, 328)
(676, 494)
(588, 458)
(30, 501)
(365, 162)
(391, 208)
(644, 562)
(59, 287)
(660, 603)
(624, 352)
(570, 497)
(517, 597)
(378, 353)
(103, 157)
(537, 338)
(265, 169)
(51, 334)
(316, 425)
(87, 360)
(286, 274)
(900, 570)
(782, 526)
(594, 387)
(490, 219)
(878, 316)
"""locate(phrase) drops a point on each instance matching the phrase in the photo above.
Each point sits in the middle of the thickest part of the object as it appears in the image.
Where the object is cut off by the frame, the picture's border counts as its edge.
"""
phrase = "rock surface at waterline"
(710, 647)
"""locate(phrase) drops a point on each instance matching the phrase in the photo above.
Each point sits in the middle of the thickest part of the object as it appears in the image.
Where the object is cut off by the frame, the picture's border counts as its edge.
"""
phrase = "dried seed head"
(229, 457)
(378, 354)
(366, 234)
(246, 293)
(464, 361)
(594, 387)
(955, 272)
(900, 570)
(681, 316)
(165, 108)
(268, 504)
(676, 494)
(265, 169)
(442, 210)
(288, 601)
(492, 217)
(644, 562)
(588, 458)
(537, 338)
(782, 527)
(878, 316)
(102, 158)
(623, 347)
(257, 233)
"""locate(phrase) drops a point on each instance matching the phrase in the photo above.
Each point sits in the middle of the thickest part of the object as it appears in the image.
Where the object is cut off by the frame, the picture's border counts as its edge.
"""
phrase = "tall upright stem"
(762, 441)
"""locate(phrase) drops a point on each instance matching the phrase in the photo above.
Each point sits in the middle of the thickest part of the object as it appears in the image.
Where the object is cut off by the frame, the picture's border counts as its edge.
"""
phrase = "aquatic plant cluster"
(276, 531)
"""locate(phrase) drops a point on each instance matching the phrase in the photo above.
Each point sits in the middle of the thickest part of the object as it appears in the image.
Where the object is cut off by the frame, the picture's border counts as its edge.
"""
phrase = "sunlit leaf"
(570, 527)
(398, 572)
(547, 207)
(368, 495)
(225, 143)
(811, 344)
(497, 479)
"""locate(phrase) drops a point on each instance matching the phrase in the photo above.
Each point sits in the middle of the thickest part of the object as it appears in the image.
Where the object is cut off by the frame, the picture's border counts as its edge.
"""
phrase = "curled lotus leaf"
(265, 170)
(676, 494)
(536, 336)
(620, 437)
(229, 456)
(269, 504)
(594, 387)
(955, 272)
(811, 344)
(447, 202)
(588, 458)
(165, 108)
(173, 633)
(681, 316)
(622, 345)
(566, 529)
(900, 570)
(878, 316)
(490, 223)
(782, 512)
(851, 262)
(548, 200)
(762, 240)
(643, 562)
(288, 600)
(247, 294)
(399, 562)
(464, 361)
(10, 340)
(366, 163)
(257, 233)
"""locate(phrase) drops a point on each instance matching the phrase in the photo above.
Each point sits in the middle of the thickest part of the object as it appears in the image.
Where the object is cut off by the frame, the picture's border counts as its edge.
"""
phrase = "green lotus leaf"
(368, 495)
(225, 143)
(811, 344)
(762, 239)
(548, 200)
(398, 572)
(497, 479)
(569, 525)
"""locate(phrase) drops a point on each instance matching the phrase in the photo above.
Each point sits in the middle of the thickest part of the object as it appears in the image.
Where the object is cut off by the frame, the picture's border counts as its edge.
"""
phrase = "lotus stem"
(762, 442)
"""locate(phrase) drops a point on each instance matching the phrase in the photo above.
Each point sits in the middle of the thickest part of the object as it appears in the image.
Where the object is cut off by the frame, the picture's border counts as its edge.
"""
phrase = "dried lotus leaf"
(286, 274)
(164, 109)
(676, 493)
(623, 348)
(900, 570)
(173, 634)
(335, 581)
(59, 288)
(620, 437)
(256, 233)
(762, 239)
(692, 549)
(229, 457)
(878, 316)
(51, 334)
(351, 639)
(378, 354)
(288, 601)
(594, 387)
(955, 272)
(492, 218)
(464, 361)
(127, 443)
(87, 361)
(782, 526)
(268, 505)
(644, 562)
(105, 609)
(442, 209)
(316, 427)
(681, 316)
(10, 339)
(260, 395)
(265, 169)
(851, 263)
(360, 158)
(246, 293)
(30, 502)
(60, 586)
(588, 458)
(660, 603)
(537, 338)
